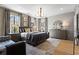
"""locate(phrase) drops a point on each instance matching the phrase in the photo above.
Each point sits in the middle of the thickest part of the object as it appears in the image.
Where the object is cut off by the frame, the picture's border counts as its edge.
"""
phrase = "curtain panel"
(7, 21)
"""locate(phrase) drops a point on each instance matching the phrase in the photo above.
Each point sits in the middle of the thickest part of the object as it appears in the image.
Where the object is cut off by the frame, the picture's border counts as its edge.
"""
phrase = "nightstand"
(15, 36)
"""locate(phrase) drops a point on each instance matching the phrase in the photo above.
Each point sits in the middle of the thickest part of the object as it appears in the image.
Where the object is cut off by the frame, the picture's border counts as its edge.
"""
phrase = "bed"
(35, 38)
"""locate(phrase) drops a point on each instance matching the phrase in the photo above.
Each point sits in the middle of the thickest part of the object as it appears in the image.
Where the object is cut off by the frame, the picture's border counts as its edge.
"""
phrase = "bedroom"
(50, 28)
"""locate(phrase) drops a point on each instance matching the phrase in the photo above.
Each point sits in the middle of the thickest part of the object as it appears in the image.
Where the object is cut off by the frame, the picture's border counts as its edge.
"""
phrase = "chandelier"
(40, 13)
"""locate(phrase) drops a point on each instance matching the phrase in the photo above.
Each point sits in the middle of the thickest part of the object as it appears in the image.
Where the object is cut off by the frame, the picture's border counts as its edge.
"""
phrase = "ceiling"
(48, 9)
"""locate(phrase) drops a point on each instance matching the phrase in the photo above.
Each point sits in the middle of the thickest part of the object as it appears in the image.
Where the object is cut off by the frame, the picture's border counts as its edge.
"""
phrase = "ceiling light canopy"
(61, 9)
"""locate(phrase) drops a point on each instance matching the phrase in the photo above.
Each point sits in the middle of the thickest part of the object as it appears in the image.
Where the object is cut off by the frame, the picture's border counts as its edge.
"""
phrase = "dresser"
(58, 33)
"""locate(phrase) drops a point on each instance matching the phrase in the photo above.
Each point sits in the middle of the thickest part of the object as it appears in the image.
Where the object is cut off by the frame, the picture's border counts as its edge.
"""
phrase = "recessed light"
(61, 8)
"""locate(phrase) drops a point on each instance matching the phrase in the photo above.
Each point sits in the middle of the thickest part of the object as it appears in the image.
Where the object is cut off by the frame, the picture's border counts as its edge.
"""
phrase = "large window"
(14, 22)
(39, 24)
(34, 24)
(25, 20)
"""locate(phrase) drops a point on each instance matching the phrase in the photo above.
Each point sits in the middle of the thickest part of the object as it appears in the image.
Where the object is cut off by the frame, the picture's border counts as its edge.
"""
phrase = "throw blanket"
(3, 46)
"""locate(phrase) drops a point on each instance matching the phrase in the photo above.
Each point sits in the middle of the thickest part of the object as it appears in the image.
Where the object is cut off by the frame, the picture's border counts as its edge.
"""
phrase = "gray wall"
(66, 18)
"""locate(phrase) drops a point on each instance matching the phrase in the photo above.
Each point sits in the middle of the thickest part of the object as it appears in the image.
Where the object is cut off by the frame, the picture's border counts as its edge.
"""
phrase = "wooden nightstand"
(15, 36)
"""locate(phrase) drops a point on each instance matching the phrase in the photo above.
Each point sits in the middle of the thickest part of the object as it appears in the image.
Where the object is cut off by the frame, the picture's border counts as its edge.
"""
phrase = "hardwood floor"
(64, 48)
(58, 47)
(49, 46)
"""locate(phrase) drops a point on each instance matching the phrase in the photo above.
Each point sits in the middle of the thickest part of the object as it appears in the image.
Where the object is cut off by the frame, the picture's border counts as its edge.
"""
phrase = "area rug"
(49, 46)
(46, 48)
(30, 50)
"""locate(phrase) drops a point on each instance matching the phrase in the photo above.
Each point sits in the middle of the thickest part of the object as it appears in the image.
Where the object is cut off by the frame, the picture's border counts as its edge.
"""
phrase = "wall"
(2, 22)
(67, 20)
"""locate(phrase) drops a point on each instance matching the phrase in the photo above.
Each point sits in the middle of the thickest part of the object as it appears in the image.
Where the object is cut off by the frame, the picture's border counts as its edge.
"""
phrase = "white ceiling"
(48, 9)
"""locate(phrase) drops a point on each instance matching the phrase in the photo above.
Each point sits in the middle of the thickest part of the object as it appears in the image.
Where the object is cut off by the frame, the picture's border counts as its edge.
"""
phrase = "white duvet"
(24, 34)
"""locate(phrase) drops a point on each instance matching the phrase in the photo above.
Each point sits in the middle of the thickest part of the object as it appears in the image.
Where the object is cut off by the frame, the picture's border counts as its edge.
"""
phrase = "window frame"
(14, 21)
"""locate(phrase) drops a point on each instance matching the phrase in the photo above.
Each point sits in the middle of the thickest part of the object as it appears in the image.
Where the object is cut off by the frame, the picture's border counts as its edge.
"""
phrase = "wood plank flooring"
(63, 47)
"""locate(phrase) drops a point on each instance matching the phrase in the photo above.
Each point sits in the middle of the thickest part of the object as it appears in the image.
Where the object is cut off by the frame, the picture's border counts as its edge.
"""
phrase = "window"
(42, 24)
(14, 22)
(25, 20)
(34, 24)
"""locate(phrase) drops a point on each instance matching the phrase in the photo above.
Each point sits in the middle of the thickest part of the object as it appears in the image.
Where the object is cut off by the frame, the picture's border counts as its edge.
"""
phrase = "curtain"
(46, 24)
(2, 22)
(7, 21)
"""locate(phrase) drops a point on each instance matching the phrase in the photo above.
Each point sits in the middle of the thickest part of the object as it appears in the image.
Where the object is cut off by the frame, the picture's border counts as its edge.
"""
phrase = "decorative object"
(57, 24)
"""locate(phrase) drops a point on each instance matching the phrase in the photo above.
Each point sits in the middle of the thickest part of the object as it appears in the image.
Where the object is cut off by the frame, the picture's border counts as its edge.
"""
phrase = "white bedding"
(24, 34)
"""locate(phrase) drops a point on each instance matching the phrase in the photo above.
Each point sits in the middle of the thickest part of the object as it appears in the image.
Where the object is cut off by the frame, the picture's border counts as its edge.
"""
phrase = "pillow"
(22, 30)
(27, 30)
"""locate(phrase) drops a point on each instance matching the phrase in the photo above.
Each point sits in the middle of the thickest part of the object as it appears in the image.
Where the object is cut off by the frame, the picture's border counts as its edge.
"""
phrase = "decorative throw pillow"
(27, 30)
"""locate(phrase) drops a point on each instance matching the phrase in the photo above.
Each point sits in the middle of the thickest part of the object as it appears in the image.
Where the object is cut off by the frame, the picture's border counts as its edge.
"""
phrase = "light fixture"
(65, 24)
(40, 12)
(61, 8)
